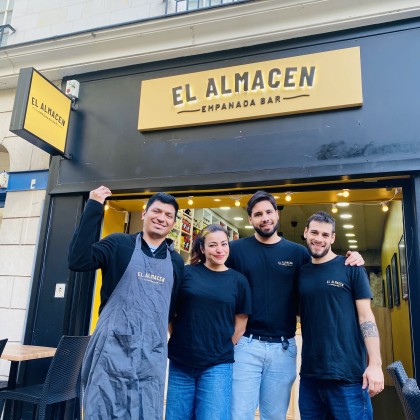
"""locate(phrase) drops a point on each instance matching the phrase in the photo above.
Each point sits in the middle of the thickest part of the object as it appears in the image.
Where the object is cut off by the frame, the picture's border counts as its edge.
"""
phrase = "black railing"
(8, 28)
(178, 6)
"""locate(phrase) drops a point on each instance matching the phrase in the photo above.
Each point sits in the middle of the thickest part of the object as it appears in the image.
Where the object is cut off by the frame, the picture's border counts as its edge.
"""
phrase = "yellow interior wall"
(113, 222)
(401, 336)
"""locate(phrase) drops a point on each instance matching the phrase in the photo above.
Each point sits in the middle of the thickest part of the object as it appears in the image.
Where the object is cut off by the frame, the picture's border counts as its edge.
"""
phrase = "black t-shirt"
(205, 316)
(271, 270)
(113, 253)
(333, 345)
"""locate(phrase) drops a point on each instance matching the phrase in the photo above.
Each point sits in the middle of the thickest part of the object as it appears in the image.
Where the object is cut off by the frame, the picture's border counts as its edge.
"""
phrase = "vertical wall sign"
(41, 112)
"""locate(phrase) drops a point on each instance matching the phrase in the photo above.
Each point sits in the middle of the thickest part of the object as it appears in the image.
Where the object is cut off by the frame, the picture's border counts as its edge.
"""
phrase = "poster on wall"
(395, 280)
(403, 267)
(389, 286)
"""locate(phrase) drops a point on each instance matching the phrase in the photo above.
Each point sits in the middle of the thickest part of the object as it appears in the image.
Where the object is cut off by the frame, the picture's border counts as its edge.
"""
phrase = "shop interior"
(368, 219)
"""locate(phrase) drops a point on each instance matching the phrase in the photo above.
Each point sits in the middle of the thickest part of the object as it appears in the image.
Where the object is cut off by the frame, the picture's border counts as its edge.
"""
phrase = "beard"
(267, 234)
(319, 254)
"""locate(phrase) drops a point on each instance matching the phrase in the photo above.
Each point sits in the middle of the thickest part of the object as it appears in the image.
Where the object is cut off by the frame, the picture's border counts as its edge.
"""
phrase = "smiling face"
(216, 250)
(319, 238)
(158, 220)
(264, 219)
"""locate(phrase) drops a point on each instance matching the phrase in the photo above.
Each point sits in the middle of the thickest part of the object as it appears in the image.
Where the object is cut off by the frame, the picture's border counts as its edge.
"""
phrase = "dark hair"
(322, 217)
(163, 198)
(197, 255)
(257, 197)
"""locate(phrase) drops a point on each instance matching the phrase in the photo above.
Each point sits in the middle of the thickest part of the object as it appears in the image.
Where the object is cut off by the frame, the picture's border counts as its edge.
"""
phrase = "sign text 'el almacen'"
(307, 83)
(41, 112)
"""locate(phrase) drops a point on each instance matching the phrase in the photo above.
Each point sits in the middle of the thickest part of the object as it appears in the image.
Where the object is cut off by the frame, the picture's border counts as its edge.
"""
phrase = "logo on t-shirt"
(286, 263)
(153, 278)
(335, 283)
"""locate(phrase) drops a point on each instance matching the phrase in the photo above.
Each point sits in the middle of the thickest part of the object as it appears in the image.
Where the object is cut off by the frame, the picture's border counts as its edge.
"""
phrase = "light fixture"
(385, 207)
(224, 208)
(190, 201)
(348, 226)
(145, 205)
(353, 246)
(249, 227)
(346, 216)
(288, 196)
(276, 197)
(350, 235)
(345, 193)
(352, 241)
(237, 203)
(343, 204)
(106, 206)
(238, 218)
(217, 199)
(334, 208)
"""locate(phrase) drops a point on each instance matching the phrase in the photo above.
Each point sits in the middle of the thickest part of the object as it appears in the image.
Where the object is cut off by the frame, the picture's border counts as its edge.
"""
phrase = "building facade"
(111, 48)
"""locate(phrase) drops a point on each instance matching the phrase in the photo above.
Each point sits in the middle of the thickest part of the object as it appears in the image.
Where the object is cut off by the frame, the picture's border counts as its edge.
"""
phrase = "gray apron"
(123, 373)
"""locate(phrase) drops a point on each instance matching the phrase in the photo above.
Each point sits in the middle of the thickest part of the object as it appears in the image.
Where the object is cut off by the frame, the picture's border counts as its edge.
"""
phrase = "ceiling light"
(334, 208)
(224, 208)
(237, 203)
(288, 196)
(346, 216)
(345, 193)
(106, 206)
(249, 227)
(343, 204)
(276, 197)
(348, 226)
(353, 246)
(145, 205)
(352, 241)
(238, 218)
(350, 235)
(385, 207)
(217, 199)
(190, 201)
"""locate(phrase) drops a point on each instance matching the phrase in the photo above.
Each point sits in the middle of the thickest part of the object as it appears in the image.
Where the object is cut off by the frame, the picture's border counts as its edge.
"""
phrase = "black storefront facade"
(380, 139)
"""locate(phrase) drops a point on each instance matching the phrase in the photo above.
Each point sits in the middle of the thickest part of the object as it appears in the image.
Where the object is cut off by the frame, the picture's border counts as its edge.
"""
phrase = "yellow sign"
(41, 112)
(307, 83)
(47, 112)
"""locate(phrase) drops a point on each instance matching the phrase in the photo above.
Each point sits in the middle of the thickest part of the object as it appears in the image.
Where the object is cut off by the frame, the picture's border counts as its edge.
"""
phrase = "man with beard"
(338, 327)
(265, 357)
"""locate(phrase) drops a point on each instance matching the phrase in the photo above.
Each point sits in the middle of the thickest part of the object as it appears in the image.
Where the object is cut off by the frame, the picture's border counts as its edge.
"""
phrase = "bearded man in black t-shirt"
(338, 328)
(265, 357)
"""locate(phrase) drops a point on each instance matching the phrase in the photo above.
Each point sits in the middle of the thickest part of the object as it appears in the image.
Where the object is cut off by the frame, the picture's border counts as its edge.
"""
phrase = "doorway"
(368, 220)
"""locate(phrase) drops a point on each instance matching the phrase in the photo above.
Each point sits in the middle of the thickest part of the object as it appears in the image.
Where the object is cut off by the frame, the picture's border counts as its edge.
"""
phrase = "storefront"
(370, 139)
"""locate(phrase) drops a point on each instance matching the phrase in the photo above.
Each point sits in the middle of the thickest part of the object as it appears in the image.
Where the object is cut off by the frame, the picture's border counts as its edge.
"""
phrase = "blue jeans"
(325, 399)
(203, 394)
(262, 373)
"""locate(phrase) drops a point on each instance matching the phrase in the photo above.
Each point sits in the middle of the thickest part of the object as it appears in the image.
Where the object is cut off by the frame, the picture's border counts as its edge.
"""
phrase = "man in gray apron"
(123, 373)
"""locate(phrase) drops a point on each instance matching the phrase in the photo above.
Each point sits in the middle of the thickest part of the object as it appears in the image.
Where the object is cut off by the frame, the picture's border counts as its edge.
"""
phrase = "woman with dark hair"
(211, 315)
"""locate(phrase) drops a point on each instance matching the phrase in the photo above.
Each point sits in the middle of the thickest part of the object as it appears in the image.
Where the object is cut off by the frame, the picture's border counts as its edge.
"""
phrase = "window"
(176, 6)
(6, 8)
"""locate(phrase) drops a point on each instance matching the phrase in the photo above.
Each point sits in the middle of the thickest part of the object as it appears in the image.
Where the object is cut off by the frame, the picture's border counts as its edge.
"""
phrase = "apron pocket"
(120, 354)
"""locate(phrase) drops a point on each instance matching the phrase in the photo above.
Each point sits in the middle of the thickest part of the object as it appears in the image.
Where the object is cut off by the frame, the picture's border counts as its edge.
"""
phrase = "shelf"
(190, 222)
